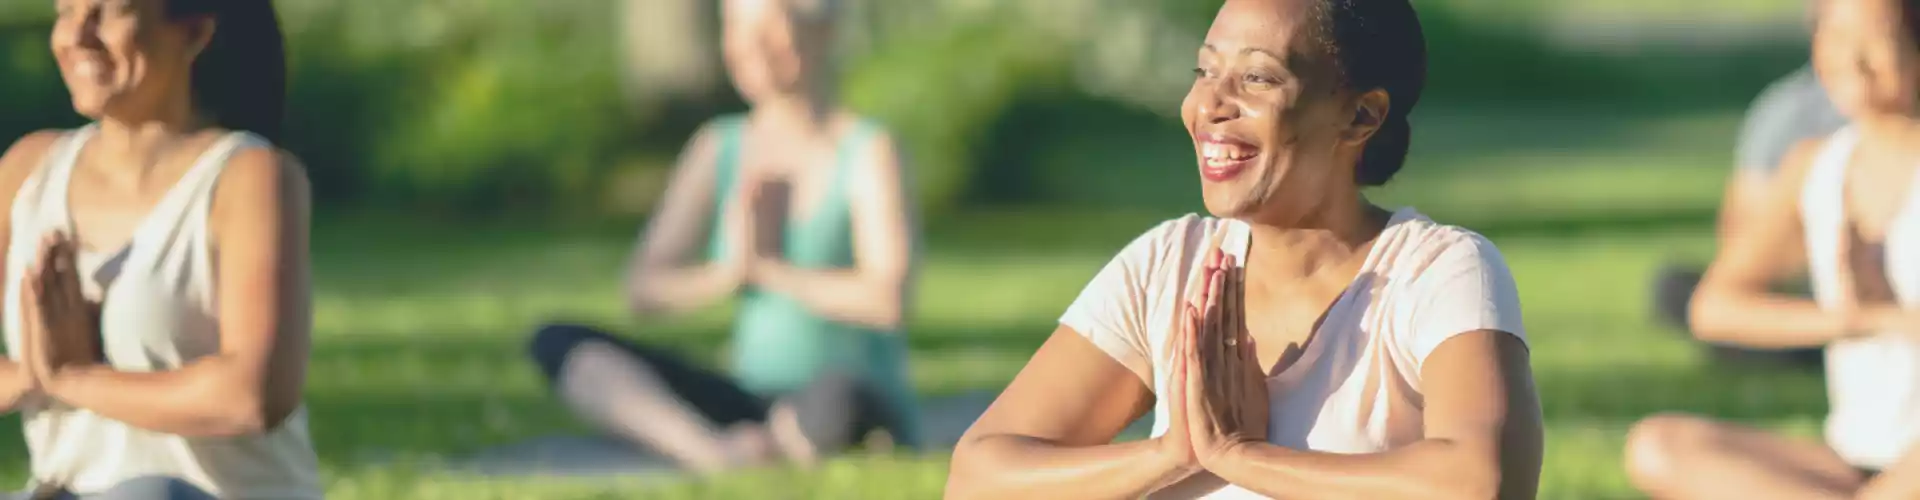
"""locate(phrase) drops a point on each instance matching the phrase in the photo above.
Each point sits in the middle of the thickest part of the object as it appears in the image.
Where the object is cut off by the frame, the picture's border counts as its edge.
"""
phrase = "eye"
(1200, 73)
(1261, 79)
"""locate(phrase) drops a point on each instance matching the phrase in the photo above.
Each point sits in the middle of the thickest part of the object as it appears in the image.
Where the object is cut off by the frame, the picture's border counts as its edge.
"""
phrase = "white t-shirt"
(1356, 389)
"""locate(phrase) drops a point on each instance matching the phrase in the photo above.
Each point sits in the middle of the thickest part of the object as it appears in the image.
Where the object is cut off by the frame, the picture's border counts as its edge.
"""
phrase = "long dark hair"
(240, 79)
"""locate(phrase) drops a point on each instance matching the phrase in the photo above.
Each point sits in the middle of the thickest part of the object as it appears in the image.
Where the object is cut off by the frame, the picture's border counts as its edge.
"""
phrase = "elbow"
(640, 297)
(889, 311)
(887, 316)
(963, 476)
(1703, 318)
(251, 415)
(1479, 483)
(247, 420)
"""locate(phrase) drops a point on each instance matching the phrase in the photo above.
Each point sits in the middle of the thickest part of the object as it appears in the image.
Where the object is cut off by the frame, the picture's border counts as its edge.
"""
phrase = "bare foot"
(748, 445)
(784, 425)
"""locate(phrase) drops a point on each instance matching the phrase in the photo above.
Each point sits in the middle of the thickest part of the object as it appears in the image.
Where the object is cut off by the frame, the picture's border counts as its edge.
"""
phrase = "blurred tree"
(669, 50)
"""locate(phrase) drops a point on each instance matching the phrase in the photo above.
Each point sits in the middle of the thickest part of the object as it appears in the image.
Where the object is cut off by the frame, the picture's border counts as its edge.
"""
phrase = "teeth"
(1214, 151)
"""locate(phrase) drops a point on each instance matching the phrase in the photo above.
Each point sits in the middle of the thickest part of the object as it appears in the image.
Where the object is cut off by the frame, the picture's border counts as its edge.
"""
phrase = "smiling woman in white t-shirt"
(1301, 342)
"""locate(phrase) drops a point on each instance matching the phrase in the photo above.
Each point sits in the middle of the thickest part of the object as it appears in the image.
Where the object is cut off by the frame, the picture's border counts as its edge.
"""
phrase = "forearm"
(1009, 466)
(1427, 469)
(1773, 321)
(13, 386)
(1900, 481)
(678, 289)
(845, 295)
(203, 399)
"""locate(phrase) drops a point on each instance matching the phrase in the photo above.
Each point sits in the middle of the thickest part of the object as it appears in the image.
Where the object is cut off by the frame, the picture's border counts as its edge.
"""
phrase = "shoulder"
(1164, 253)
(1796, 95)
(704, 145)
(1176, 234)
(26, 155)
(263, 177)
(1799, 161)
(1422, 250)
(874, 141)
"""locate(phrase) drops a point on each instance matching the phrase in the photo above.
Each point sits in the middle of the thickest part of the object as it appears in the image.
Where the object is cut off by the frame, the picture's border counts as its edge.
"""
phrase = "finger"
(1213, 244)
(1236, 311)
(1216, 317)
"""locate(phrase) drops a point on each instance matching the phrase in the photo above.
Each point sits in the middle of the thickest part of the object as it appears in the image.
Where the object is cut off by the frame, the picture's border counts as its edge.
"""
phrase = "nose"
(1218, 102)
(78, 29)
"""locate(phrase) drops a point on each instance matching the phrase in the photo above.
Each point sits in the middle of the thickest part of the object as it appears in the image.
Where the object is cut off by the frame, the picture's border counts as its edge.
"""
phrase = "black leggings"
(835, 410)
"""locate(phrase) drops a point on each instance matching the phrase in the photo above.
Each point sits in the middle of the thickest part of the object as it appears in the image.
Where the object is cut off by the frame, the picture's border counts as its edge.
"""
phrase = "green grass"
(420, 324)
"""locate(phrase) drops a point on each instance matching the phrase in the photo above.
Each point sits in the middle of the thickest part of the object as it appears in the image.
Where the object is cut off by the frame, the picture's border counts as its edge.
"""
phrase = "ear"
(1369, 114)
(200, 34)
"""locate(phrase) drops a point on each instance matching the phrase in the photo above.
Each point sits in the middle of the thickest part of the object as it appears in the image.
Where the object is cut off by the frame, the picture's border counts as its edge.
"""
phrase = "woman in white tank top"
(1301, 343)
(1849, 202)
(157, 303)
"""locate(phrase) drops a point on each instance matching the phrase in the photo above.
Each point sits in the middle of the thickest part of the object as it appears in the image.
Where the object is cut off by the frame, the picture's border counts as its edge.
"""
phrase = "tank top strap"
(55, 173)
(1823, 190)
(726, 160)
(1823, 212)
(188, 202)
(852, 149)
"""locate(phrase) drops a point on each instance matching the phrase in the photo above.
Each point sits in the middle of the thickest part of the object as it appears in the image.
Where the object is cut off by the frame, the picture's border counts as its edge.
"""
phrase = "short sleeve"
(1793, 109)
(1467, 288)
(1112, 310)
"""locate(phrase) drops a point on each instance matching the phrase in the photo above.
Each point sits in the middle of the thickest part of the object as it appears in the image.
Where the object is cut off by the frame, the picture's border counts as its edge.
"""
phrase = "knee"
(1658, 445)
(552, 344)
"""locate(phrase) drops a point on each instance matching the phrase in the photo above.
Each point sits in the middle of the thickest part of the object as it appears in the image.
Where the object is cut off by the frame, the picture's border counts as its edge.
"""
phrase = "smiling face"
(1866, 57)
(768, 53)
(1270, 123)
(125, 56)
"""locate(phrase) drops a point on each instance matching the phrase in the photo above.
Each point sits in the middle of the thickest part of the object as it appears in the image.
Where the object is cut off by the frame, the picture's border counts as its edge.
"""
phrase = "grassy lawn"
(421, 324)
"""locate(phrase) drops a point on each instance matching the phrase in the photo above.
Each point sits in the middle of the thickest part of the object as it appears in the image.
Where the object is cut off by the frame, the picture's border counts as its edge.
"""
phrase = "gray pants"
(144, 488)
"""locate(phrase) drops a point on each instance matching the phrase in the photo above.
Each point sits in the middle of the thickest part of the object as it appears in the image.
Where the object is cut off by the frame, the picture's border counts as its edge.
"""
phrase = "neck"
(1891, 128)
(138, 142)
(807, 114)
(1328, 238)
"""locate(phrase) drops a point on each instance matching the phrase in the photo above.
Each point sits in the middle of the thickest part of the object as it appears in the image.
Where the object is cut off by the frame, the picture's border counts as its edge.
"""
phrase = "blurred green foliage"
(494, 105)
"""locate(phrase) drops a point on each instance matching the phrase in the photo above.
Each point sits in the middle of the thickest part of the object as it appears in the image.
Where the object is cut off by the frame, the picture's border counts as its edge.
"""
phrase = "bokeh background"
(482, 166)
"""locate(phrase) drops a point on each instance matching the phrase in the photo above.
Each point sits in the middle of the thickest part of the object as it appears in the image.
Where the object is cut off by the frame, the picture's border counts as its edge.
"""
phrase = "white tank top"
(1873, 383)
(160, 313)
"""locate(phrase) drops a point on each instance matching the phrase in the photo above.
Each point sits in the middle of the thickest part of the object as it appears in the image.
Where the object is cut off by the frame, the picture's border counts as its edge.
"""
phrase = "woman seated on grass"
(1305, 343)
(1844, 206)
(157, 295)
(805, 218)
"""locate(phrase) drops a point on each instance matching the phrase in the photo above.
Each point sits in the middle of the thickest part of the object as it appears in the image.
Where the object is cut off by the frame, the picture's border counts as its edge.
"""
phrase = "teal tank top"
(778, 345)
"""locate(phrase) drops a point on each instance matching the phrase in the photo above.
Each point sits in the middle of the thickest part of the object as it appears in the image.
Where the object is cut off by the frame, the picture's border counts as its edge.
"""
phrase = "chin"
(92, 109)
(1225, 202)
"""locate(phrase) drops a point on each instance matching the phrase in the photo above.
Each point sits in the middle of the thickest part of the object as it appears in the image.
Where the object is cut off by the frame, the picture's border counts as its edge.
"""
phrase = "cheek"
(1189, 111)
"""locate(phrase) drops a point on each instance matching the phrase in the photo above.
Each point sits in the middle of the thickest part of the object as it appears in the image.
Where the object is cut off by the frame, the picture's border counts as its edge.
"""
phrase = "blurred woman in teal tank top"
(797, 209)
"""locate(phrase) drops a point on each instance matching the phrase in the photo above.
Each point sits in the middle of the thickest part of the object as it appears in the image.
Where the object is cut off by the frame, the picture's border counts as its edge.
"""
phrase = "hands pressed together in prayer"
(59, 326)
(755, 222)
(1217, 392)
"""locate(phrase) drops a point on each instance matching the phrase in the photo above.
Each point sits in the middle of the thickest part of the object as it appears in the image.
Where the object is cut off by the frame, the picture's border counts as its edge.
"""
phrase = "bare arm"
(1901, 481)
(1050, 435)
(1483, 437)
(1735, 302)
(260, 218)
(667, 273)
(1746, 199)
(875, 291)
(19, 163)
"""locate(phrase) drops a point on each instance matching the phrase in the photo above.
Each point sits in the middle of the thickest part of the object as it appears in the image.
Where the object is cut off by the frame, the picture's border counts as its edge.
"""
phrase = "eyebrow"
(1243, 50)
